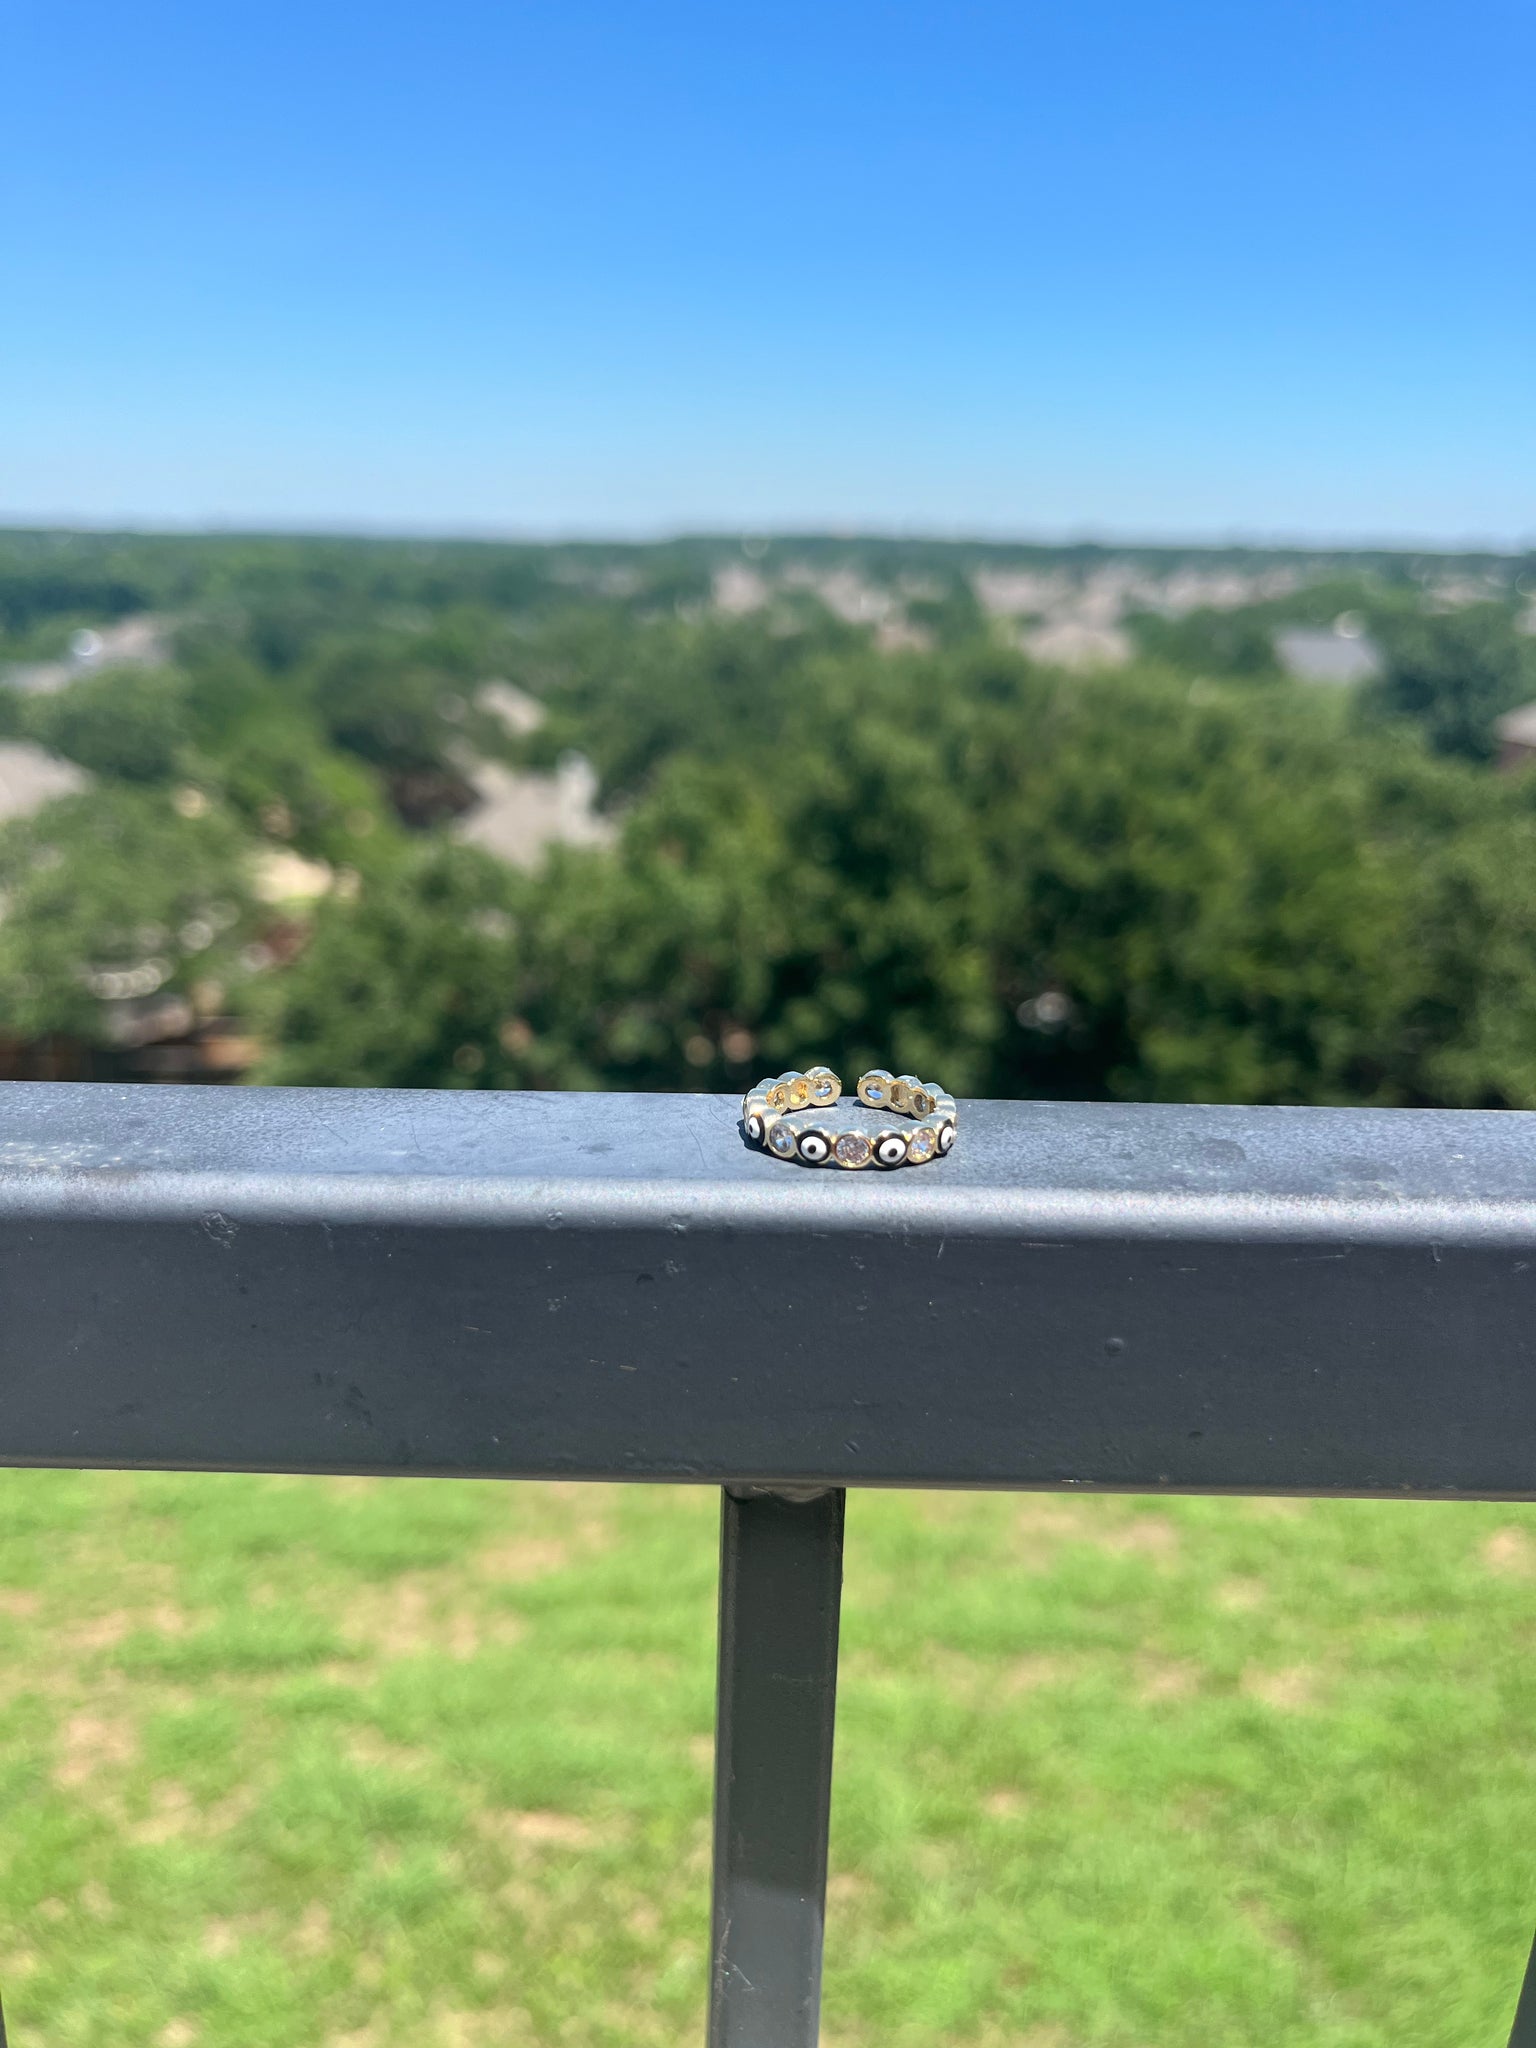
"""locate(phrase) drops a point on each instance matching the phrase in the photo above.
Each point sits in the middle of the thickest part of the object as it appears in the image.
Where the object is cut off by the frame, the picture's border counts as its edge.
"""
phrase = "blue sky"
(1183, 270)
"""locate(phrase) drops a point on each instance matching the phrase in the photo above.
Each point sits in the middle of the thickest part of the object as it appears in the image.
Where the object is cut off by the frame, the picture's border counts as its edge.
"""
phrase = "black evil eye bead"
(946, 1136)
(815, 1147)
(755, 1128)
(891, 1150)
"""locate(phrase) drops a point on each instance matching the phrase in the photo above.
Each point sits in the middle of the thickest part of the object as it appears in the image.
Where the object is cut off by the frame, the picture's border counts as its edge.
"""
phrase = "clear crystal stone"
(853, 1148)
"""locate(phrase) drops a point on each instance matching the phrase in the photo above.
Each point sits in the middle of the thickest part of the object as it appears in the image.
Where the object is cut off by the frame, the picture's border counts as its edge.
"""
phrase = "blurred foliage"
(132, 724)
(409, 986)
(1208, 642)
(1453, 673)
(1228, 898)
(115, 896)
(1158, 882)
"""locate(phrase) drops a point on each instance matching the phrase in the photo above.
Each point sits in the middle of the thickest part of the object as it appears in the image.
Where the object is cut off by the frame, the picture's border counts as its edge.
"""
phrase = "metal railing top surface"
(615, 1286)
(1123, 1169)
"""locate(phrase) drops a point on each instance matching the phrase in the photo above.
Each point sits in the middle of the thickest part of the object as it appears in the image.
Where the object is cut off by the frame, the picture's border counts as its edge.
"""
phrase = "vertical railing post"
(1523, 2033)
(781, 1571)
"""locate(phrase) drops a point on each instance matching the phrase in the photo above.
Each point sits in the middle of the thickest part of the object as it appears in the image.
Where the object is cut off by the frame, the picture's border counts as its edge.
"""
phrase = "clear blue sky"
(1176, 269)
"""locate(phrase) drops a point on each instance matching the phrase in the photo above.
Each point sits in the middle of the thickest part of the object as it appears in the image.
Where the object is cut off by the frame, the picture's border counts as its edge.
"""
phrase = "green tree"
(1207, 642)
(130, 724)
(114, 895)
(410, 985)
(1019, 882)
(1219, 900)
(1453, 674)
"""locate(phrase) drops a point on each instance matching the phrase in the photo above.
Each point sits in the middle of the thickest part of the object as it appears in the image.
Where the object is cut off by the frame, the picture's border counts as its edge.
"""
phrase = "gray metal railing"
(616, 1287)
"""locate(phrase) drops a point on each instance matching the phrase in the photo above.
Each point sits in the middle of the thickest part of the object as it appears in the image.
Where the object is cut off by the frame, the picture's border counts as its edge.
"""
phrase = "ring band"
(765, 1107)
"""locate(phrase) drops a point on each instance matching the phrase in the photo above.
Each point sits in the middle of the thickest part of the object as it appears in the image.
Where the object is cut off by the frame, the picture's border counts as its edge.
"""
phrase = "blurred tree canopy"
(1453, 673)
(1029, 883)
(1207, 642)
(116, 896)
(1189, 878)
(132, 724)
(409, 986)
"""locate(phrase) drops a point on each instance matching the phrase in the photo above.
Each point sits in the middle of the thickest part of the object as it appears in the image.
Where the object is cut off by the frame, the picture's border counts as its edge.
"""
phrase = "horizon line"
(660, 536)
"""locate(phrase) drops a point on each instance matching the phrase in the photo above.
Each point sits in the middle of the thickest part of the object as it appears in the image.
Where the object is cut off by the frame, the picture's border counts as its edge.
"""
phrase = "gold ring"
(765, 1108)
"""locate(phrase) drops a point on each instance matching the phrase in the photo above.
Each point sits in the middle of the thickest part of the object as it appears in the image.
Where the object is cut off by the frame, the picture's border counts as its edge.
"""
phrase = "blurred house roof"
(1327, 654)
(138, 642)
(517, 813)
(1517, 728)
(30, 777)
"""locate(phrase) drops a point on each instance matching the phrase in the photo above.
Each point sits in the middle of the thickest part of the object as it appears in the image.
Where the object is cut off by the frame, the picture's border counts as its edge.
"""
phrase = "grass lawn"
(362, 1764)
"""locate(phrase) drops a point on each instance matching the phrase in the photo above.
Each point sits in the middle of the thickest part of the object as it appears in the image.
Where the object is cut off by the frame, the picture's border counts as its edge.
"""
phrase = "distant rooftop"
(30, 777)
(138, 642)
(1517, 728)
(1340, 653)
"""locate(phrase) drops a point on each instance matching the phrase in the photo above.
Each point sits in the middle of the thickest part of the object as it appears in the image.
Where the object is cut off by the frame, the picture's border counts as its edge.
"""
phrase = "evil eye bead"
(781, 1140)
(946, 1137)
(891, 1150)
(875, 1088)
(755, 1128)
(815, 1147)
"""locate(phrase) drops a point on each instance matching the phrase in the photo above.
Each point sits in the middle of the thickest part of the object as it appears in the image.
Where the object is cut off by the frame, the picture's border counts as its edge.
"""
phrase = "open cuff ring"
(765, 1108)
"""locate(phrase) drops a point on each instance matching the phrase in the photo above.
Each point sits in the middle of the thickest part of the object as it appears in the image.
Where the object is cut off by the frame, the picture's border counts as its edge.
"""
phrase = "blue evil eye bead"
(891, 1150)
(815, 1147)
(755, 1128)
(875, 1088)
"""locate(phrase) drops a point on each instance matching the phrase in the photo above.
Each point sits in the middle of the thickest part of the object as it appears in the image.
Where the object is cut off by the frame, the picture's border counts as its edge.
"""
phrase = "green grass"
(342, 1764)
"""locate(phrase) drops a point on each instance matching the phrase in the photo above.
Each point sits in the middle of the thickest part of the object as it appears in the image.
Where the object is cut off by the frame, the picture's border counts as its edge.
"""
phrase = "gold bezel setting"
(764, 1108)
